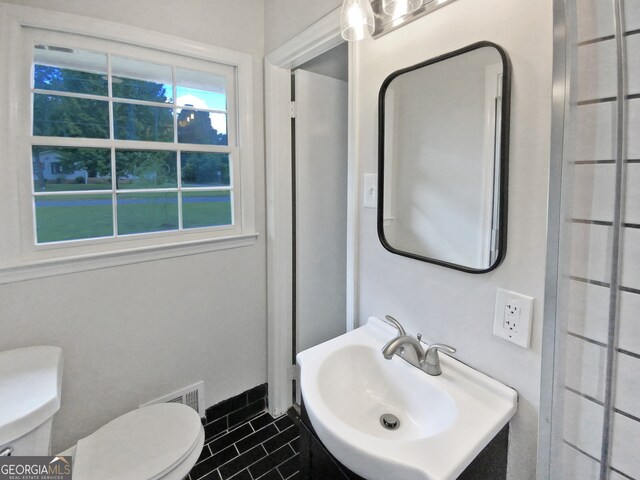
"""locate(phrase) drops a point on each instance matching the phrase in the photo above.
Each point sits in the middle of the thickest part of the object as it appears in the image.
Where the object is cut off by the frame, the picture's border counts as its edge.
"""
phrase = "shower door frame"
(551, 355)
(564, 68)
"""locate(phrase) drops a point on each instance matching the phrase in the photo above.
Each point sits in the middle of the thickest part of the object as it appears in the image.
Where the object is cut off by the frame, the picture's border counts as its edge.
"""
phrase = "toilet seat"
(144, 444)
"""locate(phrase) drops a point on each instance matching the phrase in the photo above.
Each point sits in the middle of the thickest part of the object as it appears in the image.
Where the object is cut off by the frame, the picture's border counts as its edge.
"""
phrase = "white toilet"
(157, 442)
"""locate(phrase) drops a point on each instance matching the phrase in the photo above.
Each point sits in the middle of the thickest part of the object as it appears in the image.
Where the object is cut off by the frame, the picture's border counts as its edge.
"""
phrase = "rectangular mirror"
(443, 145)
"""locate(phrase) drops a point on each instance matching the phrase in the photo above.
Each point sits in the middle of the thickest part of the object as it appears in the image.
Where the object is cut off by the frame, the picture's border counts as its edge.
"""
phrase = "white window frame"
(20, 257)
(35, 37)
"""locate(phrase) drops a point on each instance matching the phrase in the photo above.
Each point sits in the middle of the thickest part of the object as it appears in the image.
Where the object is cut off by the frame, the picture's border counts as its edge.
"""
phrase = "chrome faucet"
(397, 346)
(426, 360)
(396, 324)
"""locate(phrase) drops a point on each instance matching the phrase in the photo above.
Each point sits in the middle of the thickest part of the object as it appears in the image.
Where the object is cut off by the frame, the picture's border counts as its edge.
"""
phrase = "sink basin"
(441, 423)
(369, 389)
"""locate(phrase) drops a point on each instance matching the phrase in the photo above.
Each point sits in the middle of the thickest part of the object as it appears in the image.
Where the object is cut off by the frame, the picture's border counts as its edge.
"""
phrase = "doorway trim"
(315, 40)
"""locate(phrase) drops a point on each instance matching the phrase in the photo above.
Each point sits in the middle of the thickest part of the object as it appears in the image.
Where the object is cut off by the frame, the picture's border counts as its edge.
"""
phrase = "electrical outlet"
(513, 317)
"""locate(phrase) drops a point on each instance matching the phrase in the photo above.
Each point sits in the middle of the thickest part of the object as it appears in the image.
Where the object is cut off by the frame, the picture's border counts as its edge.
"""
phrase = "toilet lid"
(143, 444)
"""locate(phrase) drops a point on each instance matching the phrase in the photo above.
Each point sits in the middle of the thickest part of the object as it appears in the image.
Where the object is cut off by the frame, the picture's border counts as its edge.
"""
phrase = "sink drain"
(389, 421)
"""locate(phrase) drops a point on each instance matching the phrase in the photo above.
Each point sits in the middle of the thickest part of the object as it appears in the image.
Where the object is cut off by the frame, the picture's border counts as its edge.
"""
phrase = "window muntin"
(50, 117)
(182, 118)
(147, 212)
(145, 169)
(56, 167)
(142, 122)
(201, 91)
(138, 80)
(73, 217)
(70, 70)
(205, 169)
(205, 208)
(204, 100)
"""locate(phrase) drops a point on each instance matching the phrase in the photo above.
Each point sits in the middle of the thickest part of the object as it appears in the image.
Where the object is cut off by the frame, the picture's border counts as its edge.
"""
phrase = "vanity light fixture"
(390, 15)
(356, 20)
(360, 19)
(398, 8)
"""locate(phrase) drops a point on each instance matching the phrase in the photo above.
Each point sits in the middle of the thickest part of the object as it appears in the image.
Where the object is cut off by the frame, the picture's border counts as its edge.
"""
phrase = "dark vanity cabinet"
(316, 462)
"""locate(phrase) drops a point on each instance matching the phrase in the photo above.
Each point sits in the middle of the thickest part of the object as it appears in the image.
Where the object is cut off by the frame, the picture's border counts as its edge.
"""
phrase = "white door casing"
(317, 39)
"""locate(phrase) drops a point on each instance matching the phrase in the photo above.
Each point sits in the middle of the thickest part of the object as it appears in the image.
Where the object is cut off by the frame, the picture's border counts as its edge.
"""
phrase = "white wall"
(284, 19)
(132, 333)
(446, 305)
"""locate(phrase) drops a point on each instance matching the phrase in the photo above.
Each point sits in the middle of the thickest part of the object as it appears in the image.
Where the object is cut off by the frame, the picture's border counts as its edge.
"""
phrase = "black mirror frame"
(503, 161)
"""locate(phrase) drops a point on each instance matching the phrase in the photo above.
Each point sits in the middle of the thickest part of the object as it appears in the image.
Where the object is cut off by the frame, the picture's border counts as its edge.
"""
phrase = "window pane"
(58, 169)
(141, 122)
(55, 116)
(206, 209)
(70, 70)
(138, 80)
(199, 127)
(201, 89)
(201, 169)
(73, 217)
(147, 212)
(146, 169)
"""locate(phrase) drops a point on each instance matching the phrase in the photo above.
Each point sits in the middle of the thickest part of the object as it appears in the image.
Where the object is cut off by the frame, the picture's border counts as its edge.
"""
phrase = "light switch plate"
(370, 190)
(513, 317)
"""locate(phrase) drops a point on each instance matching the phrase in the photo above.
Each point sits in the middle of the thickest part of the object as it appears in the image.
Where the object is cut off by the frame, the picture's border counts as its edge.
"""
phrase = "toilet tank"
(30, 385)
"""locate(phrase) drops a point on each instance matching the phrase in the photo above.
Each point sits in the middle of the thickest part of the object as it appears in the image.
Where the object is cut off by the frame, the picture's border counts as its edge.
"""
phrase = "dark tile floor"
(260, 447)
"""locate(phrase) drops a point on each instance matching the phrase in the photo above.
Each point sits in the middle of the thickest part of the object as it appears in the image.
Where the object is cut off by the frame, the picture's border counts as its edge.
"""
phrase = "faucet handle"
(441, 346)
(431, 363)
(419, 337)
(431, 354)
(395, 323)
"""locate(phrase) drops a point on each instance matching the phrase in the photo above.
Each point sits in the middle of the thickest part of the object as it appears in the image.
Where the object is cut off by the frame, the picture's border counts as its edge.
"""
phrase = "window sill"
(67, 265)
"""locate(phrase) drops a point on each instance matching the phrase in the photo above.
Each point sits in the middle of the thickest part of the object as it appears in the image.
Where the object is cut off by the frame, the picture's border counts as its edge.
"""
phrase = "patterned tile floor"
(261, 447)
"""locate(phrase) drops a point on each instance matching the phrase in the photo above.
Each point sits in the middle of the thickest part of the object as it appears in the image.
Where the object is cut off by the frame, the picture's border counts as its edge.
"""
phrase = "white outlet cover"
(513, 317)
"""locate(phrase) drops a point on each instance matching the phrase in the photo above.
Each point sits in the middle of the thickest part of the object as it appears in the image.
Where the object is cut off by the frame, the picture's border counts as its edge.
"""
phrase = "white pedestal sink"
(444, 421)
